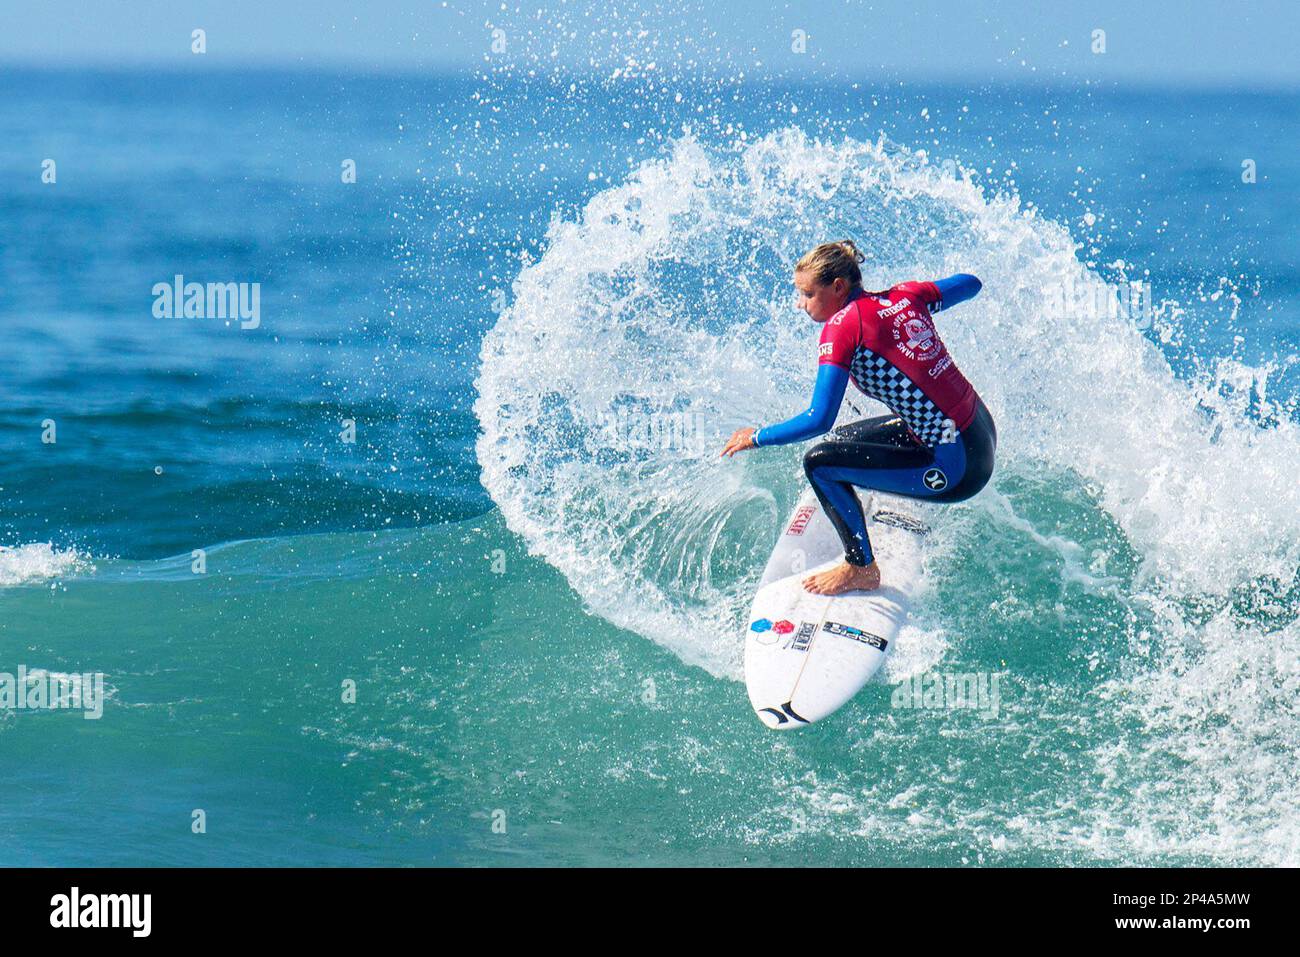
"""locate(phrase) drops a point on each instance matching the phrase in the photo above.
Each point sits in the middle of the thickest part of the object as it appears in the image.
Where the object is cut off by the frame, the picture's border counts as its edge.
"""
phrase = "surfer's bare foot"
(844, 577)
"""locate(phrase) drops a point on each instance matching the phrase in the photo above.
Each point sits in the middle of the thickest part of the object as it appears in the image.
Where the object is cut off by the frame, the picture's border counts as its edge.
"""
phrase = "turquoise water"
(544, 629)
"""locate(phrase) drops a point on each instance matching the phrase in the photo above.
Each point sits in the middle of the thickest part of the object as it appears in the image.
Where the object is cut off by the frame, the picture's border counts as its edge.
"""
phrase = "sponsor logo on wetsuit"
(935, 480)
(916, 339)
(896, 308)
(857, 634)
(825, 348)
(801, 519)
(939, 366)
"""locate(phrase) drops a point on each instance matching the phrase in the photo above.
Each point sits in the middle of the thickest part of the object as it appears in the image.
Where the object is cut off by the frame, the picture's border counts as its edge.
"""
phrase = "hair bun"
(834, 260)
(851, 248)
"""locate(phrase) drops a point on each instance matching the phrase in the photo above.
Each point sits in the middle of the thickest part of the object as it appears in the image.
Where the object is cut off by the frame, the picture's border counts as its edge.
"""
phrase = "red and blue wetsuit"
(940, 441)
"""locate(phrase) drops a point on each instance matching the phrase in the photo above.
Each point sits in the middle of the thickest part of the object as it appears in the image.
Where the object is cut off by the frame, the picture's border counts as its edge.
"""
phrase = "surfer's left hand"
(740, 440)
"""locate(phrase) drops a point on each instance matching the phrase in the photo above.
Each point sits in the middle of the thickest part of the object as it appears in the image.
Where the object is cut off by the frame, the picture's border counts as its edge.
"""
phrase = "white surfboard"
(806, 654)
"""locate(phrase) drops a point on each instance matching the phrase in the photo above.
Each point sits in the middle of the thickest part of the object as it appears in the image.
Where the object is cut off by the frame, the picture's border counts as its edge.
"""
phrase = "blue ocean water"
(545, 636)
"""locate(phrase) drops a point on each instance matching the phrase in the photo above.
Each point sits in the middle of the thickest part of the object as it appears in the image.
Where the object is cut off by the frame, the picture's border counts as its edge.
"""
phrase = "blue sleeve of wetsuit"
(818, 417)
(956, 289)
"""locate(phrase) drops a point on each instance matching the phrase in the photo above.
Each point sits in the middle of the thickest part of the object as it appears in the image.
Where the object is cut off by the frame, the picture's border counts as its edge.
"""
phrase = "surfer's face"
(819, 301)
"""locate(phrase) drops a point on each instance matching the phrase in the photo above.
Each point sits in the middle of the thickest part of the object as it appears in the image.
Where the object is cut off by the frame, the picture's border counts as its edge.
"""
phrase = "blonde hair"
(831, 261)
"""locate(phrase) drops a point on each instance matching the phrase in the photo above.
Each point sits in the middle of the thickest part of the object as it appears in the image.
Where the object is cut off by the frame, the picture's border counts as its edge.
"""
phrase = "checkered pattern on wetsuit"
(877, 377)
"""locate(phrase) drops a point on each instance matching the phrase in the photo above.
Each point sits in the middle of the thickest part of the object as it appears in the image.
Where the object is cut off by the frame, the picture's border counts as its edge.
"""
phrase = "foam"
(37, 562)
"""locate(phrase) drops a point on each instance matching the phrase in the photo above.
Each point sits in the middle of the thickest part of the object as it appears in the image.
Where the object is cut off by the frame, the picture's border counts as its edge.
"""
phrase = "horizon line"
(761, 74)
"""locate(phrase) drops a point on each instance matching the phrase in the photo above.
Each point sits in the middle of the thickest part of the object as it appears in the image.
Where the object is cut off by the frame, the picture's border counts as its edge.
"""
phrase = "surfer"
(939, 442)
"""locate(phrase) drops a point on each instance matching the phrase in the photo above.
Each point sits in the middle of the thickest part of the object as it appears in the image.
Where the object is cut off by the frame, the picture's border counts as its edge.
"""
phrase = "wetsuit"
(938, 444)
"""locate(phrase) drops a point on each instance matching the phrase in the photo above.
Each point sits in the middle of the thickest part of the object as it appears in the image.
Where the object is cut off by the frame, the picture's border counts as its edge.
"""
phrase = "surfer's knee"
(817, 457)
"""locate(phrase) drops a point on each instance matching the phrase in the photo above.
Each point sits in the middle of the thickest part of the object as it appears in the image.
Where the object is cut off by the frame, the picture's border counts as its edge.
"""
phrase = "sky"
(1201, 43)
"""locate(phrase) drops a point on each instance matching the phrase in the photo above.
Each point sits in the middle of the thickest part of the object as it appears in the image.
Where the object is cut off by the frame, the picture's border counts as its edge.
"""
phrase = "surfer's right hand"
(740, 440)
